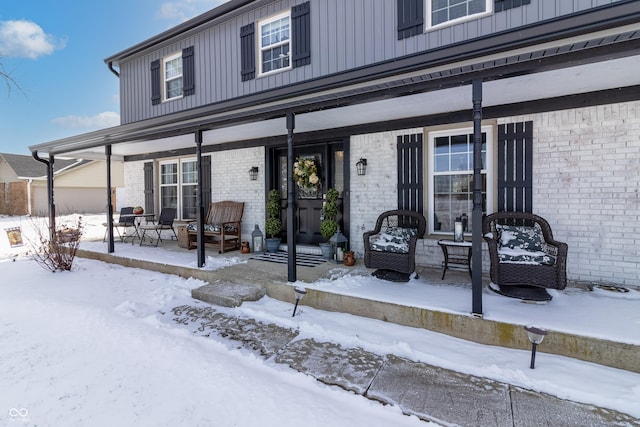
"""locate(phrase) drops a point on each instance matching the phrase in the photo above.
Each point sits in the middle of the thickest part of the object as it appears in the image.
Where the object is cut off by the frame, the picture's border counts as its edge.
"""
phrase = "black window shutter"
(410, 18)
(247, 52)
(188, 72)
(301, 34)
(206, 181)
(501, 5)
(148, 187)
(410, 167)
(515, 164)
(156, 85)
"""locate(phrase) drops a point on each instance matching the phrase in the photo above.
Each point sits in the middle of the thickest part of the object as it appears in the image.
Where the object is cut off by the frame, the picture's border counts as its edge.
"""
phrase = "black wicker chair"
(400, 262)
(518, 274)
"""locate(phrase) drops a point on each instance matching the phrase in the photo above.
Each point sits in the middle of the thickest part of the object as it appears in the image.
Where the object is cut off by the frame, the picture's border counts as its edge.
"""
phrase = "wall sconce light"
(253, 173)
(300, 292)
(361, 166)
(536, 335)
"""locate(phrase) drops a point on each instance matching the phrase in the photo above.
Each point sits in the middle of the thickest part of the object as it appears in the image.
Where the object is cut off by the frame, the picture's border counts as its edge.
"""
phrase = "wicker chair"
(400, 262)
(519, 274)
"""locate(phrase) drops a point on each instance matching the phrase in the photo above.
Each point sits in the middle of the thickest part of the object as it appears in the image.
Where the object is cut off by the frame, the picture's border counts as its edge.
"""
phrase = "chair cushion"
(192, 226)
(520, 256)
(393, 239)
(520, 237)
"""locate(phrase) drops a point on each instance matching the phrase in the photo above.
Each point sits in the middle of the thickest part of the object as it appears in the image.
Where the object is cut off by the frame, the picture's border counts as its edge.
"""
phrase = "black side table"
(456, 257)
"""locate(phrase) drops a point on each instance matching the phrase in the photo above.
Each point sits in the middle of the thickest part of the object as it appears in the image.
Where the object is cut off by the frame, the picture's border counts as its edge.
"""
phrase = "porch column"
(110, 246)
(291, 202)
(476, 251)
(199, 202)
(52, 205)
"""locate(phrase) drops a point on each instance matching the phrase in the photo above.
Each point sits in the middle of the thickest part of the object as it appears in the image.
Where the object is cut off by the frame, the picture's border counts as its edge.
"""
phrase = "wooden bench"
(222, 226)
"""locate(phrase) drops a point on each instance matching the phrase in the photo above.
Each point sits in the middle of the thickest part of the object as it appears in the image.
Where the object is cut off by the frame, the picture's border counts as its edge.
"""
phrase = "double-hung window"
(444, 12)
(173, 76)
(451, 177)
(275, 43)
(178, 186)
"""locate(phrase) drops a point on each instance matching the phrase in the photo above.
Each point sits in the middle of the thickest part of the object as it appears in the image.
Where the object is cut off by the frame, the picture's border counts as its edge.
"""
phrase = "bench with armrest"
(222, 226)
(523, 251)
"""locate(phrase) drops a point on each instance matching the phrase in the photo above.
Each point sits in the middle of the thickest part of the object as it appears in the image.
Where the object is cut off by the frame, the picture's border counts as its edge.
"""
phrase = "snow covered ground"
(90, 348)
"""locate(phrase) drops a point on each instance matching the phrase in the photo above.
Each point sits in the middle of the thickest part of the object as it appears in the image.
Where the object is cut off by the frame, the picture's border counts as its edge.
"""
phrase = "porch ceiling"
(413, 94)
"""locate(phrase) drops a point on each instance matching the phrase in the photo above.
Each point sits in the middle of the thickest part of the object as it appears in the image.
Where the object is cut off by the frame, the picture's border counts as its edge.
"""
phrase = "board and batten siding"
(345, 34)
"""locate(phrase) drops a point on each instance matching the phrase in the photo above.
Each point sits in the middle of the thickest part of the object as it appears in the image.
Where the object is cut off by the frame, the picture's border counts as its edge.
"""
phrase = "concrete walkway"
(428, 392)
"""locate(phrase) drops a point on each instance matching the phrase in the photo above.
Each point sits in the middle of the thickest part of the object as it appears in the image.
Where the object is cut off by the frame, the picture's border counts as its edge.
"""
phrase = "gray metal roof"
(28, 167)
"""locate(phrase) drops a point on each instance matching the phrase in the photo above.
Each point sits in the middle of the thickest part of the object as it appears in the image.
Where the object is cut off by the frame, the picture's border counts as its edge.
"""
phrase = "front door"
(327, 158)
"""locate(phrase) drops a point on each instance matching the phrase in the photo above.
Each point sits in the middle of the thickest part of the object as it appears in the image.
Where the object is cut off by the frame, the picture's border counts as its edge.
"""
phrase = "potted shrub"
(273, 225)
(329, 224)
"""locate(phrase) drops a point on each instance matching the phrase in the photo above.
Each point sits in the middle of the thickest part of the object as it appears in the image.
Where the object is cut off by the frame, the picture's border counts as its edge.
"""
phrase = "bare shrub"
(57, 252)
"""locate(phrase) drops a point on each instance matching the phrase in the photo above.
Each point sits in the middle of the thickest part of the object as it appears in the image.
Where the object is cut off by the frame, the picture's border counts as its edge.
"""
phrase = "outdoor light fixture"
(257, 240)
(536, 335)
(300, 292)
(361, 166)
(253, 173)
(339, 241)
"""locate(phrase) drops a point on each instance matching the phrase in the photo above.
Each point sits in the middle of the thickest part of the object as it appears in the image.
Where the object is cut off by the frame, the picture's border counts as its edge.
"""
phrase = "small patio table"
(456, 258)
(137, 220)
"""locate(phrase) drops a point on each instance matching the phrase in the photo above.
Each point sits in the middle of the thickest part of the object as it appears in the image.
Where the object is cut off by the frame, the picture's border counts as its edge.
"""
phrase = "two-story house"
(390, 82)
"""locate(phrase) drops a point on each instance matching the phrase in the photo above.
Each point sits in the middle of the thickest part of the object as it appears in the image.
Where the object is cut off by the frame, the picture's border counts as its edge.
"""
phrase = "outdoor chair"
(391, 245)
(126, 220)
(165, 222)
(523, 252)
(222, 226)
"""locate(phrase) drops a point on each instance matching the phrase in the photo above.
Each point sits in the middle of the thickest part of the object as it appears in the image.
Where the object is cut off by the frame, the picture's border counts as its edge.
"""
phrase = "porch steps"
(273, 279)
(303, 249)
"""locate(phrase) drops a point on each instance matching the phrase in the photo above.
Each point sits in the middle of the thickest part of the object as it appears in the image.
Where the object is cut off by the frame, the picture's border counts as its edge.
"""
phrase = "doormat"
(280, 257)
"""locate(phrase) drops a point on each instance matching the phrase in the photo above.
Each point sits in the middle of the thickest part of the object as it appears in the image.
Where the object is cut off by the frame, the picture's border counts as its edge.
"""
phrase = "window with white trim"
(178, 186)
(172, 76)
(451, 177)
(275, 43)
(447, 12)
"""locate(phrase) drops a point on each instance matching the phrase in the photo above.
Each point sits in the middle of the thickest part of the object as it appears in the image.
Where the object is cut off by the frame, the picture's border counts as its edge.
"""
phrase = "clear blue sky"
(55, 52)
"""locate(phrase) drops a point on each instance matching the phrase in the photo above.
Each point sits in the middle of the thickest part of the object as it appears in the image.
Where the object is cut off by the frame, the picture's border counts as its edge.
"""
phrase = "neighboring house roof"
(27, 167)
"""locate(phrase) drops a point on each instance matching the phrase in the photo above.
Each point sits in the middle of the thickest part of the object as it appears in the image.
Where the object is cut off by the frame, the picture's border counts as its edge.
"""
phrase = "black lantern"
(536, 335)
(361, 166)
(253, 173)
(338, 241)
(257, 240)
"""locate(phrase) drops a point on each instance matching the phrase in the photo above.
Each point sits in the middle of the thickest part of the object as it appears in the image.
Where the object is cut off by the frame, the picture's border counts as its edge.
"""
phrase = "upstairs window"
(173, 77)
(172, 67)
(275, 43)
(444, 12)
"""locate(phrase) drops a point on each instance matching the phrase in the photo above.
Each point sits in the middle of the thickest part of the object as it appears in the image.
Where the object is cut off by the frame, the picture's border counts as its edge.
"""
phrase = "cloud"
(26, 39)
(99, 121)
(182, 10)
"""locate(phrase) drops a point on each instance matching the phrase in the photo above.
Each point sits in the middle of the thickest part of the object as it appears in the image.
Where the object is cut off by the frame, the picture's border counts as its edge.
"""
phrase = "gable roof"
(28, 167)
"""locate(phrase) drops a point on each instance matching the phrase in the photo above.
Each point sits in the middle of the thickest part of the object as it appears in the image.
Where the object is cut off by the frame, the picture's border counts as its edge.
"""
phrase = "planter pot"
(327, 250)
(244, 248)
(272, 244)
(349, 259)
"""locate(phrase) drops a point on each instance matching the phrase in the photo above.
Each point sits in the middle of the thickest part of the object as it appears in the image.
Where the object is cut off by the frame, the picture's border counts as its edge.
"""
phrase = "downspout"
(113, 70)
(52, 206)
(29, 201)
